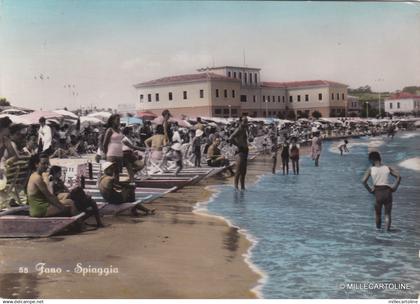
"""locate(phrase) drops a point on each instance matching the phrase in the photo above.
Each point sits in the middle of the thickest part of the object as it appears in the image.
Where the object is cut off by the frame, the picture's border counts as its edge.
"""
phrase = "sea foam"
(411, 163)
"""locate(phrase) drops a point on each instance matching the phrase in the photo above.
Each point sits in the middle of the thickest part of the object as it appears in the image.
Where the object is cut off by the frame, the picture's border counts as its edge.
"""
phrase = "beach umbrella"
(146, 115)
(13, 112)
(90, 120)
(16, 119)
(101, 115)
(34, 117)
(131, 120)
(66, 113)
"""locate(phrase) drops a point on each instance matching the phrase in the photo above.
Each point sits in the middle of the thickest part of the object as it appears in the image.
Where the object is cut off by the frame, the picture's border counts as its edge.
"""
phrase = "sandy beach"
(173, 254)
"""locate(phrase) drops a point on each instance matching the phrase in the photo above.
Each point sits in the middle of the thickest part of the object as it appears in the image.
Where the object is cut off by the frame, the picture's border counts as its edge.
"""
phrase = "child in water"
(382, 189)
(343, 147)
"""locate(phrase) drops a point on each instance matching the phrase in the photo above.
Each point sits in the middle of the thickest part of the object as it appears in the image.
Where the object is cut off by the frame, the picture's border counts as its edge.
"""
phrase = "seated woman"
(41, 201)
(83, 202)
(215, 157)
(157, 142)
(118, 193)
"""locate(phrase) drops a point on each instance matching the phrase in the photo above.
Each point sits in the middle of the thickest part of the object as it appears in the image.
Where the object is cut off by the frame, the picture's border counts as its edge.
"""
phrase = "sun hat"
(198, 133)
(176, 147)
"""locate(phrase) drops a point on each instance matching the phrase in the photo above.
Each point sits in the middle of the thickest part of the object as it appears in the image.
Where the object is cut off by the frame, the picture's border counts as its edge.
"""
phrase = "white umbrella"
(90, 120)
(16, 119)
(101, 115)
(66, 113)
(13, 111)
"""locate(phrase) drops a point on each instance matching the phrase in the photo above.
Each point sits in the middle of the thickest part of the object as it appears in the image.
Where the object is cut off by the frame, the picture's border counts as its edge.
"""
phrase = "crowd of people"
(156, 148)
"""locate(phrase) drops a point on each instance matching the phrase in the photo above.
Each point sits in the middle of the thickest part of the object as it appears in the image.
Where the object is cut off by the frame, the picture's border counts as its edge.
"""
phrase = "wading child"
(382, 189)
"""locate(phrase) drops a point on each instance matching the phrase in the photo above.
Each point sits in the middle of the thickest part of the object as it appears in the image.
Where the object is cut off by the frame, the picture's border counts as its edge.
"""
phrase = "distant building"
(354, 108)
(403, 103)
(126, 108)
(232, 91)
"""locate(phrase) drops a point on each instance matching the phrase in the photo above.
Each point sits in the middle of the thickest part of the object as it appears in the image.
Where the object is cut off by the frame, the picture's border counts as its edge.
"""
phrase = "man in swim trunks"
(240, 139)
(382, 189)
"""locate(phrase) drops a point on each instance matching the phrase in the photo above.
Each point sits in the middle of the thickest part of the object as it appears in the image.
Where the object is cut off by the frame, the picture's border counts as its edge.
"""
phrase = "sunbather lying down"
(61, 153)
(119, 193)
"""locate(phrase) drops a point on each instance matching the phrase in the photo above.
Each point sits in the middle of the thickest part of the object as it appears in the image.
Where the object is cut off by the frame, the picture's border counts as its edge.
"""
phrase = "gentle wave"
(411, 163)
(409, 135)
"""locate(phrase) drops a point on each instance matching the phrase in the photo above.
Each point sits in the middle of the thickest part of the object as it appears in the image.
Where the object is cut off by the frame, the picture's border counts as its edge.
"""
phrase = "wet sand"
(173, 254)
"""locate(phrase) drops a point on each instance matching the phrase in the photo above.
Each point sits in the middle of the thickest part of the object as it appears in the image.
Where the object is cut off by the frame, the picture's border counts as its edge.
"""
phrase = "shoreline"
(174, 254)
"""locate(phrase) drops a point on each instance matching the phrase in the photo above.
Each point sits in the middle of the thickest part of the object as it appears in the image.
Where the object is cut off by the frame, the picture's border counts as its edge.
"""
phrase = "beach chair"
(17, 174)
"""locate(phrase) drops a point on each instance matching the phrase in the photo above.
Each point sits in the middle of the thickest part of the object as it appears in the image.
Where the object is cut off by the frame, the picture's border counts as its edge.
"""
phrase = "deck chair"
(17, 175)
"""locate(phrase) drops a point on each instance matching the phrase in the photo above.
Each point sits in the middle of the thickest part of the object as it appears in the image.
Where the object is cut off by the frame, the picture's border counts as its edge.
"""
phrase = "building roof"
(403, 95)
(227, 67)
(298, 84)
(184, 78)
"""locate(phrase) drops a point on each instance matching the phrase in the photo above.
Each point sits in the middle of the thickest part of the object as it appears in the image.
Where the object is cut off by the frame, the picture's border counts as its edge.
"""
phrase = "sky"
(74, 53)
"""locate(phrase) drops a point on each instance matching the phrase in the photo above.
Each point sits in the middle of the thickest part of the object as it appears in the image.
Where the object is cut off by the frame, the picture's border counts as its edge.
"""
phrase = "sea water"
(315, 232)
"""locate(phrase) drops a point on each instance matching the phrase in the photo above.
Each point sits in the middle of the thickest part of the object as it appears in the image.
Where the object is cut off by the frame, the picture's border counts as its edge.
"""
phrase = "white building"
(403, 103)
(233, 91)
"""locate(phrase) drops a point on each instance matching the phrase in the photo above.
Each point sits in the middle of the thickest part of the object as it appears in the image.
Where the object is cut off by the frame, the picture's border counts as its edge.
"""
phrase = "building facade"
(403, 103)
(233, 91)
(354, 108)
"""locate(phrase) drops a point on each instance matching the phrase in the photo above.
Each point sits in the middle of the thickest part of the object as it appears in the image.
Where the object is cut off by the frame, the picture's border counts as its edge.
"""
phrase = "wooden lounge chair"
(16, 223)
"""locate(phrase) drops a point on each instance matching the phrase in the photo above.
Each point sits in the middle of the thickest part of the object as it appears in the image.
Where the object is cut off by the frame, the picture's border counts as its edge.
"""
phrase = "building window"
(306, 97)
(234, 74)
(149, 97)
(234, 112)
(243, 98)
(240, 75)
(225, 93)
(141, 97)
(263, 98)
(283, 99)
(254, 98)
(217, 111)
(245, 77)
(278, 98)
(342, 96)
(185, 94)
(233, 93)
(390, 105)
(274, 99)
(298, 97)
(332, 96)
(320, 96)
(250, 78)
(290, 98)
(255, 78)
(217, 93)
(201, 93)
(157, 96)
(170, 95)
(338, 96)
(398, 105)
(229, 74)
(226, 111)
(268, 97)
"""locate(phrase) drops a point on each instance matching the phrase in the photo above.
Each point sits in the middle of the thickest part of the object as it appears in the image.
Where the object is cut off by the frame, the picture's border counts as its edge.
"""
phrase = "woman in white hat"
(196, 145)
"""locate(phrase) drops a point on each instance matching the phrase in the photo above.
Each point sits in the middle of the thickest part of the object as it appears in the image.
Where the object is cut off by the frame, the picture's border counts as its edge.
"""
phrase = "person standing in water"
(316, 147)
(382, 189)
(240, 139)
(343, 147)
(285, 157)
(294, 155)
